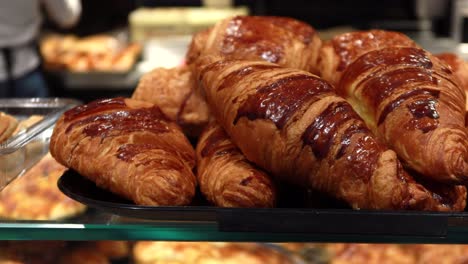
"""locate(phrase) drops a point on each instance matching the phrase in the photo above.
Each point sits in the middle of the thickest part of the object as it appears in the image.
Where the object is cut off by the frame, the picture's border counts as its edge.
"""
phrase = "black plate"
(336, 221)
(85, 191)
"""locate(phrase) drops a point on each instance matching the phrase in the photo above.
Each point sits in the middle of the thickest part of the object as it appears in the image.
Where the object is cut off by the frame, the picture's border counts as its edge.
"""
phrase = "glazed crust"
(459, 68)
(129, 148)
(176, 94)
(280, 40)
(293, 124)
(226, 177)
(415, 105)
(338, 53)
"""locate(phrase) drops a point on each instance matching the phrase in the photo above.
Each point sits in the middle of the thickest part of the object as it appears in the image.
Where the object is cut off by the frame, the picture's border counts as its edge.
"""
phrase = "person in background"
(20, 21)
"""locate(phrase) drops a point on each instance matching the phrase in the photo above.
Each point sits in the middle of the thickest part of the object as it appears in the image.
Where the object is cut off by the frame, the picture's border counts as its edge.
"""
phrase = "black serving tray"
(300, 220)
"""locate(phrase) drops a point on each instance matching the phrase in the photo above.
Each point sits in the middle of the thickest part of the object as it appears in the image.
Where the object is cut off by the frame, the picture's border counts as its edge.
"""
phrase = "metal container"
(26, 148)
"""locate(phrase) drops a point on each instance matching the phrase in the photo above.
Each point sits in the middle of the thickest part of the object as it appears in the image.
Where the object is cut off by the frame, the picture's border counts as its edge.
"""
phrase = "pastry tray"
(23, 150)
(98, 79)
(294, 216)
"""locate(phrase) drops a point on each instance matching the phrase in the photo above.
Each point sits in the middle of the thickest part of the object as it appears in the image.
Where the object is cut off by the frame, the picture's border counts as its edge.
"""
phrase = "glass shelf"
(97, 225)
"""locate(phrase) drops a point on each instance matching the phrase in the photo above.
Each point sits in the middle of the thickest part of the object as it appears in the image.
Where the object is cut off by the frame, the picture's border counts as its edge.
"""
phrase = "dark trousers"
(31, 84)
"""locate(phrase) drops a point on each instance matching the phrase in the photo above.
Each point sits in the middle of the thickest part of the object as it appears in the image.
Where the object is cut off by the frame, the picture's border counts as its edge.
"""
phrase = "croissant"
(412, 102)
(174, 92)
(280, 40)
(339, 52)
(293, 124)
(226, 177)
(129, 148)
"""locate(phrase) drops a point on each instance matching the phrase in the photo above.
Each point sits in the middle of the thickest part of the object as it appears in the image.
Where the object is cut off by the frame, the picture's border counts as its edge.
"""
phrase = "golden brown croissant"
(342, 50)
(276, 39)
(226, 177)
(459, 68)
(292, 123)
(174, 91)
(279, 40)
(412, 102)
(128, 147)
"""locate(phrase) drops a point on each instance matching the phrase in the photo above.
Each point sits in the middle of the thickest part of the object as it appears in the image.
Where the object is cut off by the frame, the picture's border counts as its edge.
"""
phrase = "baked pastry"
(369, 253)
(93, 53)
(281, 40)
(339, 52)
(81, 255)
(276, 39)
(459, 68)
(160, 252)
(111, 249)
(443, 254)
(8, 257)
(226, 178)
(293, 124)
(28, 122)
(174, 91)
(127, 147)
(95, 252)
(28, 252)
(35, 196)
(126, 57)
(415, 105)
(8, 125)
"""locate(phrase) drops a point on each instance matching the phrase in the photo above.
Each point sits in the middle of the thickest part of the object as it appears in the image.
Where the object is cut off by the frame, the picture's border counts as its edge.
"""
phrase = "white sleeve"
(63, 12)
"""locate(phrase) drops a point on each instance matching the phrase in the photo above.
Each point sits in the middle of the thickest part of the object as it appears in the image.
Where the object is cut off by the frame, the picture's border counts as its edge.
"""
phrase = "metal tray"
(98, 79)
(26, 148)
(288, 218)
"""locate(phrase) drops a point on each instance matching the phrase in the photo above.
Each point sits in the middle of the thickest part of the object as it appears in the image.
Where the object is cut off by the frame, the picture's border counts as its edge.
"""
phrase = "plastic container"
(27, 147)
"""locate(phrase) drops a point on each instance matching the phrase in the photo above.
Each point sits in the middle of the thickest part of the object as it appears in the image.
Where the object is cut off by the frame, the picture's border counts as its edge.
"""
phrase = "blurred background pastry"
(35, 195)
(205, 252)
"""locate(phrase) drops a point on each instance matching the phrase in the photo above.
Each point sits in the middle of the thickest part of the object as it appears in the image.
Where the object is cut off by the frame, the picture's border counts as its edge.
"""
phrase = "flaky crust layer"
(460, 70)
(129, 148)
(292, 123)
(338, 53)
(226, 177)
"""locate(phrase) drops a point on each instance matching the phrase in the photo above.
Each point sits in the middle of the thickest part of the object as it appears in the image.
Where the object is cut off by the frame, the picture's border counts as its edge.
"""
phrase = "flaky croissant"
(280, 40)
(339, 52)
(293, 124)
(226, 177)
(129, 148)
(275, 39)
(174, 92)
(412, 102)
